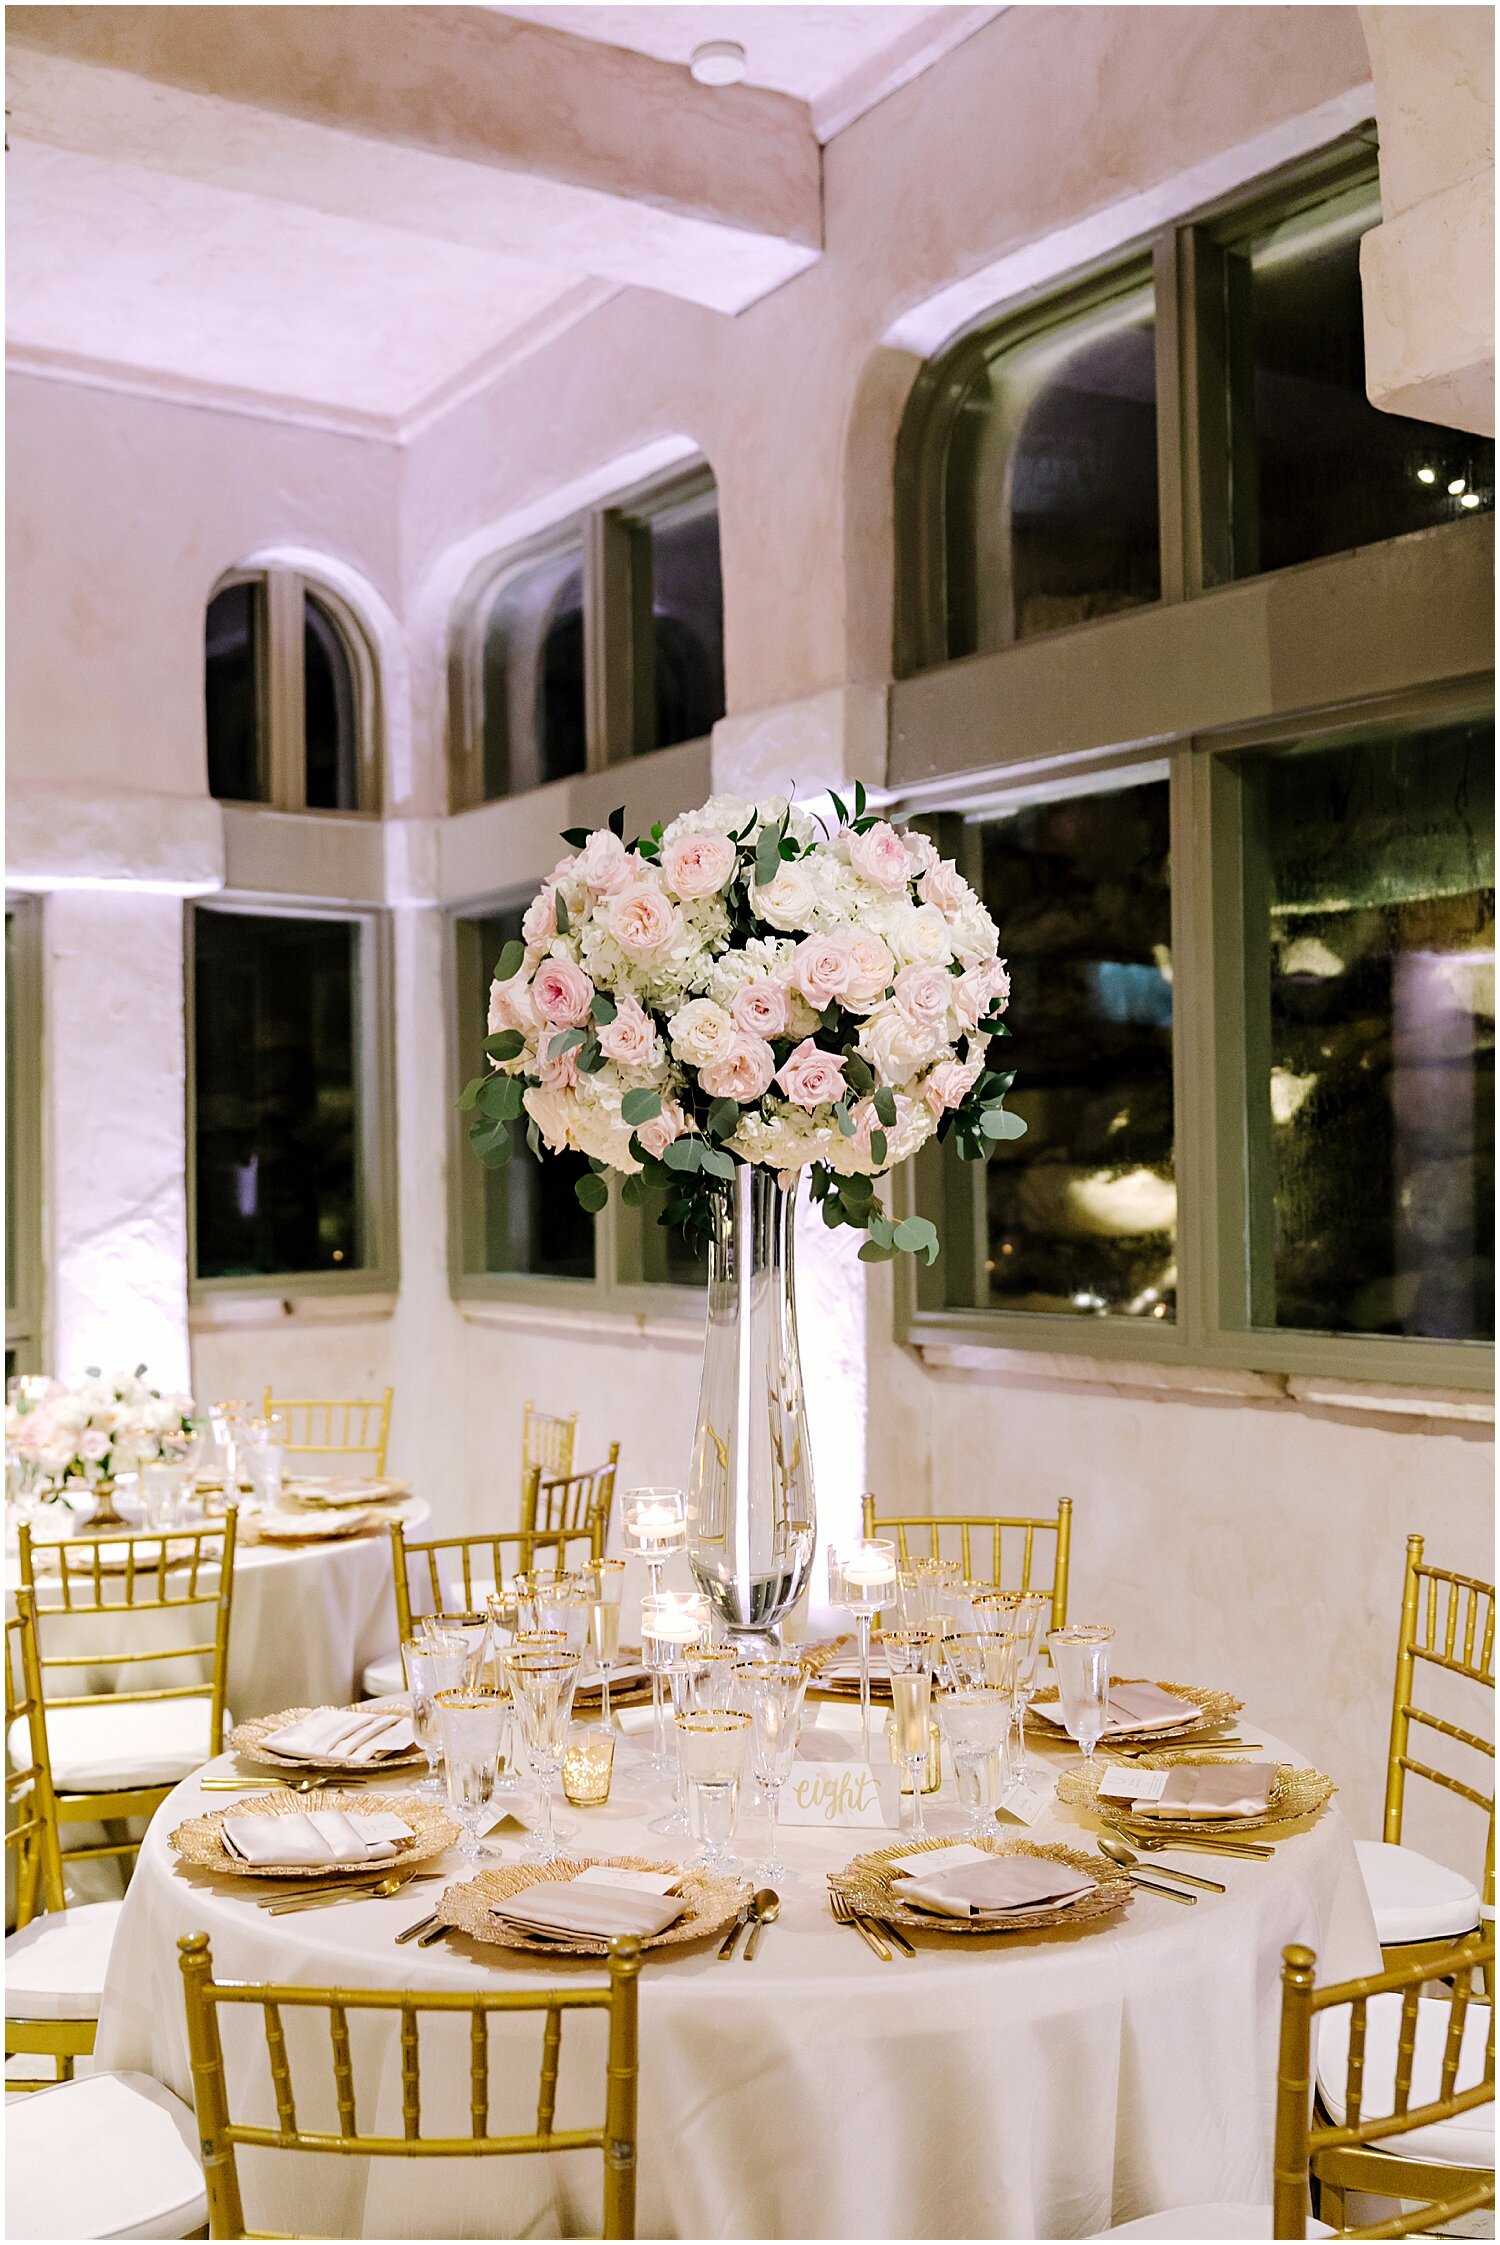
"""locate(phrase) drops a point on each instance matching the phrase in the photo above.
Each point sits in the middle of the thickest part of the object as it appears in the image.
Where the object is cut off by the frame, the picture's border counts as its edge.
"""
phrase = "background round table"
(1027, 2087)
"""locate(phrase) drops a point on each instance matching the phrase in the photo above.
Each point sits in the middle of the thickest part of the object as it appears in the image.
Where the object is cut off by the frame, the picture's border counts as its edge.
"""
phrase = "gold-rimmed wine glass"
(542, 1685)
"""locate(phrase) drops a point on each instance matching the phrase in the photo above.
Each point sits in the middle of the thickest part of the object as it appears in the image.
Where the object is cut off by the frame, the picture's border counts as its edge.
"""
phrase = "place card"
(838, 1793)
(1134, 1785)
(639, 1882)
(1027, 1803)
(933, 1861)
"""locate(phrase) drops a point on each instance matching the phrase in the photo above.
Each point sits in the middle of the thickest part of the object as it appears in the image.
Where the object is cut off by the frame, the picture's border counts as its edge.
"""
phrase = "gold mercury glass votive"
(588, 1762)
(933, 1776)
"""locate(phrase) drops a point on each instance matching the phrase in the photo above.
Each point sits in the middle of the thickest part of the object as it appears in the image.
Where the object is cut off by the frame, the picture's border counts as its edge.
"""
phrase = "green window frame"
(614, 541)
(1399, 630)
(631, 1271)
(374, 1013)
(24, 1267)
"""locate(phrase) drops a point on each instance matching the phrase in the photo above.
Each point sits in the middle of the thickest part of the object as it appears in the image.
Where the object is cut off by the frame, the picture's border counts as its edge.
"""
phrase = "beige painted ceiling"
(359, 213)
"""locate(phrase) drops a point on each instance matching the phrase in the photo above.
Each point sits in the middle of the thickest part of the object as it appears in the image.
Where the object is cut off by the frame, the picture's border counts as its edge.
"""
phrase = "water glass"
(542, 1685)
(471, 1724)
(715, 1668)
(262, 1463)
(163, 1488)
(1020, 1614)
(566, 1602)
(909, 1655)
(711, 1745)
(1080, 1656)
(772, 1692)
(673, 1623)
(474, 1629)
(976, 1723)
(435, 1664)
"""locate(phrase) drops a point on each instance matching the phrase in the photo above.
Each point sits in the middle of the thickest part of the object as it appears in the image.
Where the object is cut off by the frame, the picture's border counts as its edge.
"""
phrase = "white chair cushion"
(1468, 2140)
(383, 1677)
(113, 1744)
(1413, 1898)
(112, 2155)
(55, 1967)
(1210, 2221)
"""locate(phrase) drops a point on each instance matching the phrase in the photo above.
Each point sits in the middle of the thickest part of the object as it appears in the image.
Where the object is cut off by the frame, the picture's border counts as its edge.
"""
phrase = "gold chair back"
(433, 1564)
(1353, 2156)
(1447, 1626)
(568, 1503)
(221, 2136)
(100, 1580)
(321, 1427)
(547, 1441)
(1001, 1550)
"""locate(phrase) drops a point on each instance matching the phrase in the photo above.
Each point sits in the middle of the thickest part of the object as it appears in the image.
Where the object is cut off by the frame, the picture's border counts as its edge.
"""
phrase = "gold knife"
(871, 1938)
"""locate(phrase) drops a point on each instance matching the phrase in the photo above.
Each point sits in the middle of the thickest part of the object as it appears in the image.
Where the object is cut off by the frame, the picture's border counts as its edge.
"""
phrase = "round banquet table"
(306, 1621)
(1020, 2087)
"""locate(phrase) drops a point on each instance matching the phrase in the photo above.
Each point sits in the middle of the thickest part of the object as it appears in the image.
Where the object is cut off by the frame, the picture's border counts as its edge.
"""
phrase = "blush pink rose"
(943, 885)
(868, 968)
(924, 995)
(975, 992)
(762, 1008)
(510, 1005)
(604, 863)
(820, 969)
(539, 923)
(631, 1037)
(949, 1083)
(558, 1071)
(561, 993)
(879, 857)
(698, 864)
(657, 1135)
(811, 1078)
(643, 921)
(742, 1073)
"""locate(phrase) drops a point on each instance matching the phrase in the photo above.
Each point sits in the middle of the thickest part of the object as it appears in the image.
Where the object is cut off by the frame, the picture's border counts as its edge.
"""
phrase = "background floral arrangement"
(98, 1428)
(743, 985)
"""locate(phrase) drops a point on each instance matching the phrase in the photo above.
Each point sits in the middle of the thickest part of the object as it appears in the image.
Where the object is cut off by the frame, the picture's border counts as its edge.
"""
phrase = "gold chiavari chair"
(547, 1441)
(319, 1427)
(56, 1958)
(1375, 2088)
(983, 1546)
(455, 1574)
(221, 2136)
(1447, 1629)
(572, 1502)
(117, 1754)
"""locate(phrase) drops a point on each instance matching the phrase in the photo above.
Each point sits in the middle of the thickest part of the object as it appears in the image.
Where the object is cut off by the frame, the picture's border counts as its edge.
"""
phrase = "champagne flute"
(436, 1664)
(1080, 1656)
(543, 1684)
(773, 1692)
(471, 1724)
(1017, 1613)
(526, 1641)
(604, 1622)
(908, 1653)
(711, 1745)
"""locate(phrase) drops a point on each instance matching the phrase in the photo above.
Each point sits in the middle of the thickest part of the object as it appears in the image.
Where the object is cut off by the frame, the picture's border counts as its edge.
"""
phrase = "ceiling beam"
(456, 122)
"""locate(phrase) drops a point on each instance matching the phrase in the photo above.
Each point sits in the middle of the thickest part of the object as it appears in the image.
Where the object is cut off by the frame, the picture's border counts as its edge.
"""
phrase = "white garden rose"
(791, 900)
(896, 1047)
(701, 1032)
(920, 936)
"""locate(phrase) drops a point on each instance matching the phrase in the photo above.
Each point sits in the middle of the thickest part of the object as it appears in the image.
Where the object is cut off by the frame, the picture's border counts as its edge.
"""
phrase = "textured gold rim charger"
(874, 1890)
(1218, 1708)
(200, 1843)
(1296, 1793)
(313, 1527)
(245, 1740)
(712, 1903)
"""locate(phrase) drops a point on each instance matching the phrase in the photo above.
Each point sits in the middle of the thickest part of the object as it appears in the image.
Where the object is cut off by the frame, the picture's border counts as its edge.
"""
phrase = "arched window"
(289, 697)
(604, 643)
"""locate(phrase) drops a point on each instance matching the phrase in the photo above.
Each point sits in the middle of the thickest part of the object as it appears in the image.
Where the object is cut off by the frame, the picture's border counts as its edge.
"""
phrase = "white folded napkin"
(631, 1882)
(996, 1888)
(1214, 1789)
(322, 1835)
(345, 1734)
(582, 1906)
(324, 1489)
(1133, 1707)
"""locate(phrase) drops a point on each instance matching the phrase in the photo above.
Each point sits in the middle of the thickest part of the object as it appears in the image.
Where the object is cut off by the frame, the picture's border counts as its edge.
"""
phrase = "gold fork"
(872, 1928)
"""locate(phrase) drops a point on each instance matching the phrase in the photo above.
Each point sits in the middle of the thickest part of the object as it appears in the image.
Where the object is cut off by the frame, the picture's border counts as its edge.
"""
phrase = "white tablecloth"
(1039, 2087)
(305, 1622)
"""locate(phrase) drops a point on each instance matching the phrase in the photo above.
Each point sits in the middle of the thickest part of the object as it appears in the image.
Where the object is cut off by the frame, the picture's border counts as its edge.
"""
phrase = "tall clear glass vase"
(751, 1522)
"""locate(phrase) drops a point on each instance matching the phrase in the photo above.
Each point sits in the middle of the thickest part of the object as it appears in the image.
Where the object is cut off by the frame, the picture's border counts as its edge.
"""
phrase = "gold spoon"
(359, 1891)
(765, 1907)
(1119, 1853)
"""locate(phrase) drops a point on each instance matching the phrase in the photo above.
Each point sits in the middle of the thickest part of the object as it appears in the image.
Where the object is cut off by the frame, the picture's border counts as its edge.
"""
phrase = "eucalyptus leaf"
(885, 1106)
(603, 1008)
(716, 1162)
(873, 1252)
(857, 1073)
(640, 1107)
(561, 911)
(469, 1096)
(723, 1118)
(682, 1154)
(767, 857)
(592, 1193)
(843, 1118)
(496, 1156)
(506, 1044)
(590, 1058)
(634, 1192)
(511, 960)
(882, 1229)
(500, 1097)
(878, 1146)
(915, 1234)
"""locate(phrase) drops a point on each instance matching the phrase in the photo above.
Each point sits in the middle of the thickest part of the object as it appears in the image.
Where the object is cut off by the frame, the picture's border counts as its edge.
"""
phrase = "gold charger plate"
(314, 1527)
(1295, 1793)
(875, 1891)
(246, 1741)
(200, 1843)
(712, 1903)
(1217, 1709)
(326, 1491)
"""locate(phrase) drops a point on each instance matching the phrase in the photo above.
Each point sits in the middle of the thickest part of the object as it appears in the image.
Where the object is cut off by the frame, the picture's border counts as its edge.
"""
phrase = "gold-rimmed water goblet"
(712, 1743)
(433, 1664)
(771, 1693)
(975, 1721)
(471, 1724)
(1080, 1655)
(542, 1686)
(1021, 1614)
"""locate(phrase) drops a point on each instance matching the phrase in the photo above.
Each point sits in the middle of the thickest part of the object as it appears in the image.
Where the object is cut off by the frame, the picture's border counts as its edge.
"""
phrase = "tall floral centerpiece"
(93, 1431)
(735, 997)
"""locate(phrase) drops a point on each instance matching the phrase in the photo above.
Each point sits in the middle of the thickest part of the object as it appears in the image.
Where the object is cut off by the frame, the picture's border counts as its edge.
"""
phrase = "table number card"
(1029, 1802)
(1134, 1785)
(837, 1793)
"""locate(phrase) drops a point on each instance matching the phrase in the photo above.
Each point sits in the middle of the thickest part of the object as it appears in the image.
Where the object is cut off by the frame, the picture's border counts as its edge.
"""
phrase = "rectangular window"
(23, 1139)
(283, 1082)
(678, 554)
(1370, 985)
